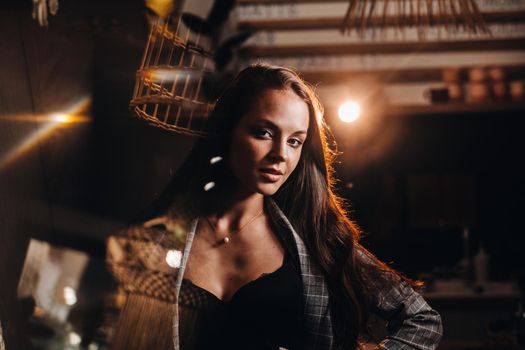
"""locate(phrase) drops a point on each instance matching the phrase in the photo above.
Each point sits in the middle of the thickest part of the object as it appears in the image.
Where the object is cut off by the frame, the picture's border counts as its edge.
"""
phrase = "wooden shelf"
(335, 22)
(445, 110)
(454, 108)
(383, 47)
(408, 75)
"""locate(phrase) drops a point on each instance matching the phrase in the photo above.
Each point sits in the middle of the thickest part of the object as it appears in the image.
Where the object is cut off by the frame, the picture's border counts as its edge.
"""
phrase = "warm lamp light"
(349, 111)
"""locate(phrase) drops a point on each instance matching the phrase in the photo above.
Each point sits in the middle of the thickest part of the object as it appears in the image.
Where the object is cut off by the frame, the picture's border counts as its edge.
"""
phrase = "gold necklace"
(227, 239)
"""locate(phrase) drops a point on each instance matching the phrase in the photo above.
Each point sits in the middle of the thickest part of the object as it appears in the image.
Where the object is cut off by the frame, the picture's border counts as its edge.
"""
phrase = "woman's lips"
(270, 176)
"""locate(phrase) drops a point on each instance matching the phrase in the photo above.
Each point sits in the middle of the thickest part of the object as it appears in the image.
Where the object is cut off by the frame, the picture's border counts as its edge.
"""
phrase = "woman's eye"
(295, 142)
(262, 133)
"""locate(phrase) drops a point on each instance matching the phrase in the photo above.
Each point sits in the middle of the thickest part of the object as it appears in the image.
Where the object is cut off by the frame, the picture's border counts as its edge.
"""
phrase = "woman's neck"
(232, 212)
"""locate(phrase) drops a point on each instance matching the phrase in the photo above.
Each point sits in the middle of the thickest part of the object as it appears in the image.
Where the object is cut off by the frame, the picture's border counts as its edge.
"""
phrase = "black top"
(263, 314)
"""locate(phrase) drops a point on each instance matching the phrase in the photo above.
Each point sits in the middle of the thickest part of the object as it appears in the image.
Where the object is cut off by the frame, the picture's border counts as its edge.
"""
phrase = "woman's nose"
(279, 151)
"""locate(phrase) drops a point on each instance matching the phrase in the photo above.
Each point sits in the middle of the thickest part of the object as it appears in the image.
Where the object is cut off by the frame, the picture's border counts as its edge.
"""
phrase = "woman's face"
(267, 142)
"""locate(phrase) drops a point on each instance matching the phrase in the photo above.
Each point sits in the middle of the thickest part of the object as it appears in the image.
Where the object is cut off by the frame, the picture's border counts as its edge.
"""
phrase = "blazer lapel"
(178, 283)
(317, 311)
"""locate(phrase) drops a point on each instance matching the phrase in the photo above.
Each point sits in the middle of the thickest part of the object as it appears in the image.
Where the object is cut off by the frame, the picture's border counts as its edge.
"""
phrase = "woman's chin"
(268, 189)
(261, 187)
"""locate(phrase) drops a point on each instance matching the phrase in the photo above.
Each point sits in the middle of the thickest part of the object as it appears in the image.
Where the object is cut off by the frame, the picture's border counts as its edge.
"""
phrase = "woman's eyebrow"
(267, 123)
(273, 126)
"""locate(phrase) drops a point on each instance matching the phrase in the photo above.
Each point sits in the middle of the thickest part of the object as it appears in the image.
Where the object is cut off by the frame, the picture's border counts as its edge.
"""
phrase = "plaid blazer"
(138, 266)
(413, 324)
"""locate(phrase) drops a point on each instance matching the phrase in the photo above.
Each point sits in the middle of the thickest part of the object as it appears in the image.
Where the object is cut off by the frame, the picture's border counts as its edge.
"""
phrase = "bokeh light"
(173, 258)
(70, 296)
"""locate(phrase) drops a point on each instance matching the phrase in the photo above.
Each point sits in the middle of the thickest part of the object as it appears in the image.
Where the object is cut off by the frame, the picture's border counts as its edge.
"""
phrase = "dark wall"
(36, 157)
(418, 181)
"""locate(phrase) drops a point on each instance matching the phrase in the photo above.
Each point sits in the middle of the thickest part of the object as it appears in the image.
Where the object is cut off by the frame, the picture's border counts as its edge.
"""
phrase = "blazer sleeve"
(411, 322)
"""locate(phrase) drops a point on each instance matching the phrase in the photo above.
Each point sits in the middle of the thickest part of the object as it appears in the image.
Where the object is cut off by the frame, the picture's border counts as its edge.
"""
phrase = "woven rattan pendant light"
(453, 15)
(169, 83)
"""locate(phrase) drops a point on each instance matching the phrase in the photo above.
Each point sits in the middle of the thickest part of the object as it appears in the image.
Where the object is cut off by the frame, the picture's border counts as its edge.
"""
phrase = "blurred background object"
(2, 344)
(67, 302)
(453, 15)
(170, 81)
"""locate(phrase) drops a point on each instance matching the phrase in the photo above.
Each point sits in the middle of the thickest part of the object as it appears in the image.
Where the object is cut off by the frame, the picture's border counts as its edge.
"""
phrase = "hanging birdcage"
(169, 84)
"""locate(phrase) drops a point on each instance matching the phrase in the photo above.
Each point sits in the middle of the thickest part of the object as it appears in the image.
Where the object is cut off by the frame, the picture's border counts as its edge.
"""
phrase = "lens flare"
(47, 123)
(61, 118)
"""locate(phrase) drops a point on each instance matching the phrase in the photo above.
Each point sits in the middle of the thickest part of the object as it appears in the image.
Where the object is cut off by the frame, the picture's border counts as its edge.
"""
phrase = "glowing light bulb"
(349, 111)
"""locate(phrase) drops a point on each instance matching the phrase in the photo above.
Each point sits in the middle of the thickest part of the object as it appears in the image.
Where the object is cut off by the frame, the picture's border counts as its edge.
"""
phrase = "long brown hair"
(308, 198)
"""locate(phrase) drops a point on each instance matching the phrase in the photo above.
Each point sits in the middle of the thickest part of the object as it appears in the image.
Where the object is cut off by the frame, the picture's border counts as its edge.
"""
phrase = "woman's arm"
(412, 323)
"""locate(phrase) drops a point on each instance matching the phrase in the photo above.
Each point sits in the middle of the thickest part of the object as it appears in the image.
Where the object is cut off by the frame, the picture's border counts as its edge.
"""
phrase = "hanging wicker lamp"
(169, 83)
(453, 15)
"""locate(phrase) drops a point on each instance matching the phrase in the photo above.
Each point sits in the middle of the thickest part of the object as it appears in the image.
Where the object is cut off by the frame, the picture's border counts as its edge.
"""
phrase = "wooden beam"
(414, 75)
(382, 47)
(507, 109)
(442, 109)
(380, 75)
(336, 22)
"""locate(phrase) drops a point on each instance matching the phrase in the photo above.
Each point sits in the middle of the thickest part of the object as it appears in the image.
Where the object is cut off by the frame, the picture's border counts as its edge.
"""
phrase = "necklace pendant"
(227, 239)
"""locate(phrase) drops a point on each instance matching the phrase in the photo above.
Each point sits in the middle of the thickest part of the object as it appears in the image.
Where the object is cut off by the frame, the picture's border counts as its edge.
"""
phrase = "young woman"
(270, 258)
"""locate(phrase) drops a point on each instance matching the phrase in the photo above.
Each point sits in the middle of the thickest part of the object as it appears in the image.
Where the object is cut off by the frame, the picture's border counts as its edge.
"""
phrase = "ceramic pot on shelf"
(517, 90)
(452, 78)
(478, 87)
(498, 84)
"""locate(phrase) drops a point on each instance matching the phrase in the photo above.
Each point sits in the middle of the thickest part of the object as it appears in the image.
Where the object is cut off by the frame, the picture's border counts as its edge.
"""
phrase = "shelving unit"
(473, 109)
(405, 75)
(304, 34)
(335, 22)
(512, 44)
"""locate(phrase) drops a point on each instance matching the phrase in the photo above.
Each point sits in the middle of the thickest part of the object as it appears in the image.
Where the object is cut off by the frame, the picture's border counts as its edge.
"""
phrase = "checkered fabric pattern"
(412, 323)
(137, 259)
(144, 282)
(195, 297)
